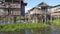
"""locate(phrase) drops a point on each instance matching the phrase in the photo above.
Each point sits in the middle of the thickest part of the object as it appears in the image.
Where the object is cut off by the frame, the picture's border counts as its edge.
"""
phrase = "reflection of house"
(14, 8)
(43, 9)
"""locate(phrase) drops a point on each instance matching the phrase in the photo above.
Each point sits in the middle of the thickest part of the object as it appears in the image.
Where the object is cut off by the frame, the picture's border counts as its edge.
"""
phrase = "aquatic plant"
(15, 27)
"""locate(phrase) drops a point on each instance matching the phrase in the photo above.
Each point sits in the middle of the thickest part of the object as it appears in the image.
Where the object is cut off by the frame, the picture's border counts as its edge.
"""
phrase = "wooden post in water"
(14, 19)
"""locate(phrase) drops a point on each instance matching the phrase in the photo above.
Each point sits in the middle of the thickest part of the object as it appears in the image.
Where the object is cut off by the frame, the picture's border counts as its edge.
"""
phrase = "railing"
(15, 5)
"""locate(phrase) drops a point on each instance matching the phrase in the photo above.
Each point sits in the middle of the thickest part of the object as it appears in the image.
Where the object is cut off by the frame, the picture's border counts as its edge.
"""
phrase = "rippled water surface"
(52, 30)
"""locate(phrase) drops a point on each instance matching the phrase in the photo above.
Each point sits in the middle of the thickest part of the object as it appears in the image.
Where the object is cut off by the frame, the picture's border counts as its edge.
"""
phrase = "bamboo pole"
(20, 10)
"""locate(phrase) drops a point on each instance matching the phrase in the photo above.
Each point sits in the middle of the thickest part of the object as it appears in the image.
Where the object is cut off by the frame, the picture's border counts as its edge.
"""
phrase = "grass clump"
(15, 27)
(56, 21)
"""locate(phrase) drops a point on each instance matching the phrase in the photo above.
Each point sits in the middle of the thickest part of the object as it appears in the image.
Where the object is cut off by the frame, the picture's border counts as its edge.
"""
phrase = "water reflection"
(29, 31)
(52, 30)
(55, 29)
(39, 31)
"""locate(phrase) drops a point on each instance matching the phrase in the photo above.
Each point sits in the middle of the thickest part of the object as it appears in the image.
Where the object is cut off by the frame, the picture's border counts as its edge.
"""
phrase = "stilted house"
(12, 9)
(43, 12)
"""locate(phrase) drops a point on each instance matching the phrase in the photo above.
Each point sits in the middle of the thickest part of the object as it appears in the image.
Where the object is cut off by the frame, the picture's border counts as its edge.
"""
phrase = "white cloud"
(26, 9)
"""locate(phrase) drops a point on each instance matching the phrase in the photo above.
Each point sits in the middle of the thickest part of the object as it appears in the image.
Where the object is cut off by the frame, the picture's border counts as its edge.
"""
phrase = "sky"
(33, 3)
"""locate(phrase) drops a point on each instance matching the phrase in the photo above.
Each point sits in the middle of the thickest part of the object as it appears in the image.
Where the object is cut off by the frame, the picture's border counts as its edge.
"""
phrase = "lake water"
(52, 30)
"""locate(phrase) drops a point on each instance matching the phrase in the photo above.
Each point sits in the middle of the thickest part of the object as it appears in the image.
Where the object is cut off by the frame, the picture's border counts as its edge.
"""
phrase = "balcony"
(2, 6)
(15, 5)
(15, 13)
